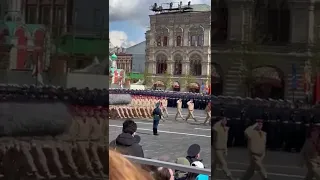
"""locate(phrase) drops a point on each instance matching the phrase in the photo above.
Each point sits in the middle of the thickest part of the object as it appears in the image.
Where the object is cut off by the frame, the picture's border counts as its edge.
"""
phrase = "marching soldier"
(179, 109)
(220, 140)
(257, 149)
(164, 106)
(82, 141)
(190, 109)
(65, 143)
(310, 154)
(97, 136)
(208, 113)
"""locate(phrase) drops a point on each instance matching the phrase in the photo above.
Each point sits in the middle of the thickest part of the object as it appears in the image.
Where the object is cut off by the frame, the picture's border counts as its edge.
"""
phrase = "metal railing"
(170, 165)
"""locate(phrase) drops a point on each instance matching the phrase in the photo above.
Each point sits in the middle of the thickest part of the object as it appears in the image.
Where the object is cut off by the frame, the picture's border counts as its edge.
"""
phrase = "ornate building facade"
(178, 53)
(264, 48)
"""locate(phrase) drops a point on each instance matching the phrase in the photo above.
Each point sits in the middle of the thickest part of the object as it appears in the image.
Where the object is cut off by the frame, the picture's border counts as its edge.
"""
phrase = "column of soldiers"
(257, 142)
(83, 148)
(200, 100)
(140, 107)
(286, 125)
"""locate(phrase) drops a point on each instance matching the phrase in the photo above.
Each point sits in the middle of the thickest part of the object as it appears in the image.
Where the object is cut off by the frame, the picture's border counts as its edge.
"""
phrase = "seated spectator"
(121, 168)
(179, 175)
(194, 176)
(163, 173)
(193, 153)
(127, 142)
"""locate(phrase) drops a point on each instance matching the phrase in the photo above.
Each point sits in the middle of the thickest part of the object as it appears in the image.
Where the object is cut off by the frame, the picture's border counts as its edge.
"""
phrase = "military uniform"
(257, 149)
(190, 111)
(220, 138)
(179, 109)
(208, 113)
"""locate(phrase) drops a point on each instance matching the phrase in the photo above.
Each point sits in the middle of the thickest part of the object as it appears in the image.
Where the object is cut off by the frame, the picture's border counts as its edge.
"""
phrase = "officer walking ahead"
(208, 113)
(310, 154)
(179, 109)
(257, 150)
(156, 118)
(220, 140)
(190, 109)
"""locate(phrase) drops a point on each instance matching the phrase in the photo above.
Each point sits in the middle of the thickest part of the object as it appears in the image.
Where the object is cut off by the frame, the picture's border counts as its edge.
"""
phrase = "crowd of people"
(127, 143)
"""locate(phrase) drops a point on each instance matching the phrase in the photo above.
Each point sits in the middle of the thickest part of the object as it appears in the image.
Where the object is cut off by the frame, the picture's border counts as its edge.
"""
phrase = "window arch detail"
(196, 36)
(177, 64)
(195, 65)
(161, 60)
(162, 36)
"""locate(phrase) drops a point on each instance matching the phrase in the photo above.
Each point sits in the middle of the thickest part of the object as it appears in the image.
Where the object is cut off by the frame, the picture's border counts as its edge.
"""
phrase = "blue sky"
(134, 32)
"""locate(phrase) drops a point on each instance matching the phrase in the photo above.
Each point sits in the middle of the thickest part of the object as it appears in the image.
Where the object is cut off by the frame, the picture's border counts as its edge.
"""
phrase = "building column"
(186, 36)
(299, 12)
(205, 68)
(171, 37)
(185, 66)
(240, 20)
(207, 36)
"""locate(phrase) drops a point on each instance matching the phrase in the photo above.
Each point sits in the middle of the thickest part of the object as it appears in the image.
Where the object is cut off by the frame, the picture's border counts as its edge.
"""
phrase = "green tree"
(167, 80)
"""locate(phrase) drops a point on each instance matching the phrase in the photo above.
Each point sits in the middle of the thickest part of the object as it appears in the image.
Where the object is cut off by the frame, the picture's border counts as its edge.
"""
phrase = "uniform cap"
(198, 164)
(193, 150)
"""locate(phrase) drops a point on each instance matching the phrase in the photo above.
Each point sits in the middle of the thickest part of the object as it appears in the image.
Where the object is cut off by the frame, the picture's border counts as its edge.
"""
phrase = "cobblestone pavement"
(175, 138)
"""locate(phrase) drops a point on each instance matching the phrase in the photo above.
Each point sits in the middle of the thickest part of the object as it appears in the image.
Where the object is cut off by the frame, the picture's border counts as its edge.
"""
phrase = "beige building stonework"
(178, 45)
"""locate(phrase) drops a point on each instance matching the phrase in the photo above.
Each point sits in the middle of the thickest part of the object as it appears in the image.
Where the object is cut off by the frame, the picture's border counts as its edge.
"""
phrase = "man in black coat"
(127, 142)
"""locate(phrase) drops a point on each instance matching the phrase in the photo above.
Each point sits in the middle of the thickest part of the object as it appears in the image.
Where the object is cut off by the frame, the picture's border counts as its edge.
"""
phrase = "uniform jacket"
(156, 114)
(256, 140)
(190, 106)
(126, 144)
(220, 136)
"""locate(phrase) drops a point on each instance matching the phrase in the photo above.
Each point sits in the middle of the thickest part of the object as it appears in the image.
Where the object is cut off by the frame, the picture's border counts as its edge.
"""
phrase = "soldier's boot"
(62, 174)
(77, 175)
(49, 175)
(37, 175)
(92, 173)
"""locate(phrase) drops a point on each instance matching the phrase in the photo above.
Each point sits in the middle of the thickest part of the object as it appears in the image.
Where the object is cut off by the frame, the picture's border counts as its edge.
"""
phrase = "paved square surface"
(176, 136)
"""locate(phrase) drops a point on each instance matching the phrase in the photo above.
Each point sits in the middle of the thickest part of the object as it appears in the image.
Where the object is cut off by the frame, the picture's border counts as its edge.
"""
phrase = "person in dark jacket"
(156, 118)
(127, 142)
(193, 153)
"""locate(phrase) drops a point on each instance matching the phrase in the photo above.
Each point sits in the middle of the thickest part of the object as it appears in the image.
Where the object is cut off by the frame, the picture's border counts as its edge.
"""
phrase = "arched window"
(165, 41)
(177, 64)
(179, 34)
(162, 35)
(178, 40)
(159, 41)
(195, 65)
(161, 63)
(220, 22)
(272, 21)
(196, 35)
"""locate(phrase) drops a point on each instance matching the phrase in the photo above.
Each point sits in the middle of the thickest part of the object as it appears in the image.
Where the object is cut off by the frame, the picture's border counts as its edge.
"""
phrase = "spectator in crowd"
(127, 142)
(194, 176)
(179, 175)
(163, 173)
(121, 168)
(193, 153)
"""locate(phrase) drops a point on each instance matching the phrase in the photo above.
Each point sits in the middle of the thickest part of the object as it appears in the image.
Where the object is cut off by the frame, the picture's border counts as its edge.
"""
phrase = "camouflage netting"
(119, 99)
(33, 119)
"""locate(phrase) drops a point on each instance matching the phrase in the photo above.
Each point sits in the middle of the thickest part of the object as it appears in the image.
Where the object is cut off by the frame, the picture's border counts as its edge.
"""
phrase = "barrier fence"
(170, 165)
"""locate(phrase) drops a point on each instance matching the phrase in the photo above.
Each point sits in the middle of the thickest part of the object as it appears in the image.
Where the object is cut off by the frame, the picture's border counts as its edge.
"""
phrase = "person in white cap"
(195, 176)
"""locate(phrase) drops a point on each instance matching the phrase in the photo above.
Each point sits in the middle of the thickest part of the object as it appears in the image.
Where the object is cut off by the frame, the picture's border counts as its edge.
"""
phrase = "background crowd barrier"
(170, 165)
